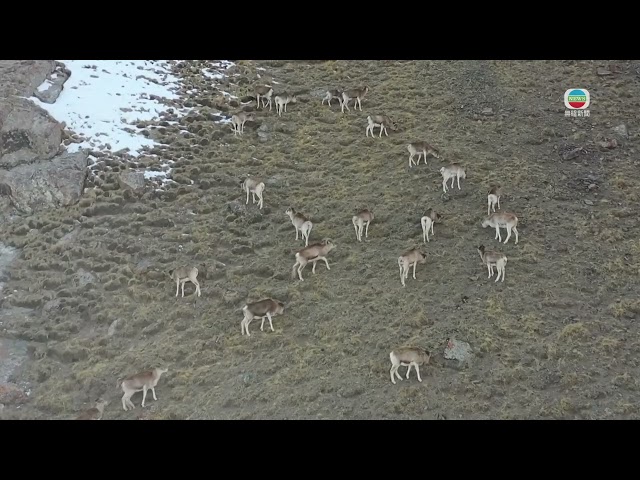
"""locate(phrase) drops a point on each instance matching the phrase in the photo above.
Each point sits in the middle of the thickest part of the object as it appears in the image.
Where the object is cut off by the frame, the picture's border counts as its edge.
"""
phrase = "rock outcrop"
(22, 77)
(27, 133)
(36, 173)
(38, 186)
(54, 85)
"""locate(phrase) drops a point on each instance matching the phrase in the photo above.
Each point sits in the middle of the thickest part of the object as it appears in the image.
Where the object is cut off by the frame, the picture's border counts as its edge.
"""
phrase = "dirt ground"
(558, 339)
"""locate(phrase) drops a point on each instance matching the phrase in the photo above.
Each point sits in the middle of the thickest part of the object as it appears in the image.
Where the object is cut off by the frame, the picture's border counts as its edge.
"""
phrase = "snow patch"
(102, 98)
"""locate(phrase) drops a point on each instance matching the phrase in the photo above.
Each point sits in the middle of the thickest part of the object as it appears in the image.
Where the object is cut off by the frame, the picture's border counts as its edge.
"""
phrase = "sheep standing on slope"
(504, 220)
(265, 308)
(408, 357)
(313, 253)
(453, 172)
(282, 100)
(357, 93)
(427, 223)
(493, 198)
(254, 187)
(411, 257)
(330, 95)
(239, 119)
(142, 381)
(301, 223)
(421, 149)
(263, 92)
(359, 220)
(493, 259)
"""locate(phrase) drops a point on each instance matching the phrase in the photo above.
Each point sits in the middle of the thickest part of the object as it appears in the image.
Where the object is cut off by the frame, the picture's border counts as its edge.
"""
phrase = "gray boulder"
(130, 180)
(27, 133)
(47, 184)
(22, 77)
(53, 89)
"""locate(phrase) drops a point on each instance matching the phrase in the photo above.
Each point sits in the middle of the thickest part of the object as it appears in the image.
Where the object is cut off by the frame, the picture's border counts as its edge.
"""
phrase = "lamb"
(256, 187)
(359, 220)
(421, 149)
(408, 357)
(491, 259)
(94, 413)
(300, 222)
(282, 100)
(427, 222)
(493, 198)
(183, 275)
(238, 120)
(331, 94)
(264, 92)
(357, 93)
(312, 253)
(413, 256)
(453, 171)
(261, 309)
(382, 121)
(505, 220)
(142, 381)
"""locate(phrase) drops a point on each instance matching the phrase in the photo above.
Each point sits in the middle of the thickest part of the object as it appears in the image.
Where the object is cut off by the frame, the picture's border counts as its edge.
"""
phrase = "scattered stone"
(572, 153)
(112, 328)
(603, 71)
(263, 133)
(487, 111)
(122, 151)
(588, 202)
(592, 186)
(622, 130)
(608, 143)
(11, 394)
(457, 350)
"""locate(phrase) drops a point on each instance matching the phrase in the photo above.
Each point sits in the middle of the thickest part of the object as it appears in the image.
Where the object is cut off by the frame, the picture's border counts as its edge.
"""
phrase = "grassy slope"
(557, 339)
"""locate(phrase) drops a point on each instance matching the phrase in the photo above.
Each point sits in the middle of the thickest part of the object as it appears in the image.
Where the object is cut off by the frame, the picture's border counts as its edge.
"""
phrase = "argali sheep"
(453, 172)
(238, 120)
(504, 220)
(408, 258)
(493, 198)
(94, 413)
(301, 223)
(182, 275)
(491, 259)
(142, 381)
(382, 121)
(427, 222)
(421, 149)
(362, 218)
(256, 188)
(265, 308)
(408, 357)
(282, 100)
(357, 93)
(330, 95)
(262, 92)
(312, 253)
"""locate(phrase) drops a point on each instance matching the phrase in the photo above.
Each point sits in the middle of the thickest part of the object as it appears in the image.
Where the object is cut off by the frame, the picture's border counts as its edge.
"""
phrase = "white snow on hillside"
(102, 99)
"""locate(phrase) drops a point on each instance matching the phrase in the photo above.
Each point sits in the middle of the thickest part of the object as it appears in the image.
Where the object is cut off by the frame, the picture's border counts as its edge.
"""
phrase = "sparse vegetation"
(558, 339)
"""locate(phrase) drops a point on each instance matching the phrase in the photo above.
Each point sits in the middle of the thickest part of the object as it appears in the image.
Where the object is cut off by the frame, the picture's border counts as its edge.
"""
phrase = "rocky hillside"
(93, 225)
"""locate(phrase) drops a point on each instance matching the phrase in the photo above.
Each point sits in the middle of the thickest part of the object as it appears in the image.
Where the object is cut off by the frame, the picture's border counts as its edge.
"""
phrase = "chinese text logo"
(577, 101)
